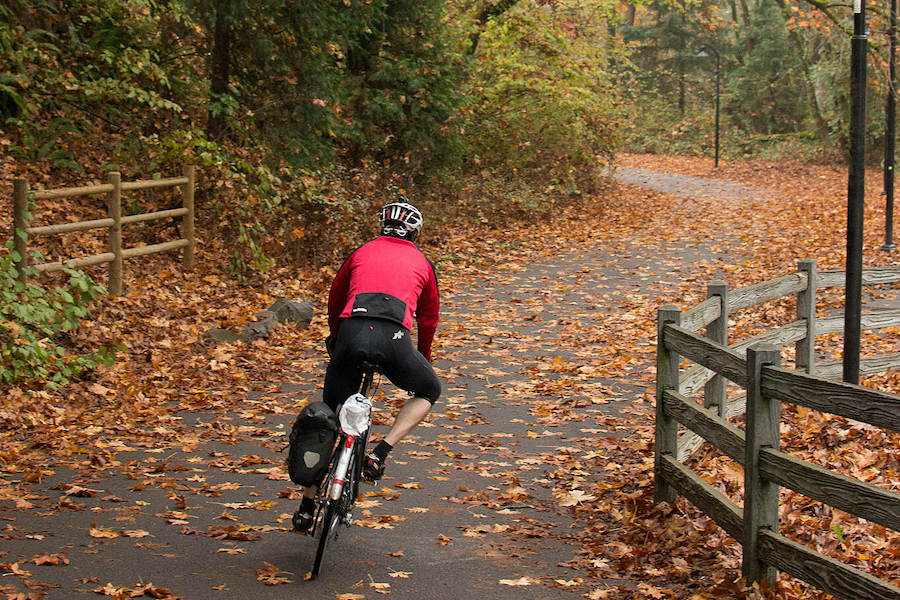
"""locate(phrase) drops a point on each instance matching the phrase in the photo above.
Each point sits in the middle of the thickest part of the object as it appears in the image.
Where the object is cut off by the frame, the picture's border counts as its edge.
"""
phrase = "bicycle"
(338, 492)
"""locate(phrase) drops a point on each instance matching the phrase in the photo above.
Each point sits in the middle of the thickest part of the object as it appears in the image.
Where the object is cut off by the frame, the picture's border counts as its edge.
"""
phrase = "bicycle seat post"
(369, 371)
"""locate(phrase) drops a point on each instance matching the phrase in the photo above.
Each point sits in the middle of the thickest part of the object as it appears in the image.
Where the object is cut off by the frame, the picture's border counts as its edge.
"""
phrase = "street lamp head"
(708, 50)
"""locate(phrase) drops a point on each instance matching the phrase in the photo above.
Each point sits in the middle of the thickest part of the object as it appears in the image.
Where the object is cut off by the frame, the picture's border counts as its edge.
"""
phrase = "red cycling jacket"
(387, 266)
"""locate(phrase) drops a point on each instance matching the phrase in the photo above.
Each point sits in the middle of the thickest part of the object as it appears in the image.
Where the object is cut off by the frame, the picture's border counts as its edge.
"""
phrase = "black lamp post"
(855, 193)
(890, 118)
(703, 52)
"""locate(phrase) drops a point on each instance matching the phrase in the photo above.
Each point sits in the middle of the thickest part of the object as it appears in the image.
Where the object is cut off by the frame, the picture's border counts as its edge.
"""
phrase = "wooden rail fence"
(754, 365)
(114, 222)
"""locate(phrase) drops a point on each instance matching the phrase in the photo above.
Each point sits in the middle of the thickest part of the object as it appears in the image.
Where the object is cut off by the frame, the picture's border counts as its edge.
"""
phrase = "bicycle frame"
(340, 472)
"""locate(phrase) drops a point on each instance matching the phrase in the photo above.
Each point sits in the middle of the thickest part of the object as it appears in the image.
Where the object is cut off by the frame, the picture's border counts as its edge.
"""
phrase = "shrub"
(32, 321)
(542, 103)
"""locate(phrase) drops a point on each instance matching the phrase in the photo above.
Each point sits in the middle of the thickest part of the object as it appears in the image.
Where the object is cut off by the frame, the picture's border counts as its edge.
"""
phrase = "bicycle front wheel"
(329, 523)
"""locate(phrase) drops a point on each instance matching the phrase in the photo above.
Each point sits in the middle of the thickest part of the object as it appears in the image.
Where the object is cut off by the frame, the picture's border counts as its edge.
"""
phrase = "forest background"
(303, 116)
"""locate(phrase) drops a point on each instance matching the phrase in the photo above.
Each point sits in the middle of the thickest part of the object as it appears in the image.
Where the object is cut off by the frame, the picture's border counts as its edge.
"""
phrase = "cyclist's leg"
(409, 370)
(342, 375)
(412, 413)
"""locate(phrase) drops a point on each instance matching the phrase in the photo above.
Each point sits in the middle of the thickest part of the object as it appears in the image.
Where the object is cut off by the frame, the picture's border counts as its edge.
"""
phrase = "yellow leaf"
(521, 581)
(400, 574)
(574, 497)
(102, 532)
(135, 533)
(408, 486)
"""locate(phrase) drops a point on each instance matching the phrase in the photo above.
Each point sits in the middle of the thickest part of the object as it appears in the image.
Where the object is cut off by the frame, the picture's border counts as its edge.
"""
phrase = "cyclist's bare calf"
(412, 413)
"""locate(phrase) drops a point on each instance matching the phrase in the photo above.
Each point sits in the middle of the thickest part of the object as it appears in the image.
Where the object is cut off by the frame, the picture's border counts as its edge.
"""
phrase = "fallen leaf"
(135, 533)
(521, 581)
(102, 532)
(50, 559)
(272, 575)
(400, 574)
(576, 497)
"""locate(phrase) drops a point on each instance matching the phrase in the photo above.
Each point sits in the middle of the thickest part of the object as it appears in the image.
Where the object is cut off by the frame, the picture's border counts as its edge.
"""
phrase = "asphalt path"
(467, 506)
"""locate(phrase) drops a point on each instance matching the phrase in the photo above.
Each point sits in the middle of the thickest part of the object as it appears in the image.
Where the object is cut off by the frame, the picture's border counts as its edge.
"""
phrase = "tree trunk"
(220, 67)
(745, 11)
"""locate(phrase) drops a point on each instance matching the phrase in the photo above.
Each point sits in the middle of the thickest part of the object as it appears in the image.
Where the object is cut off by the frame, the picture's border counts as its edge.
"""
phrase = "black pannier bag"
(311, 443)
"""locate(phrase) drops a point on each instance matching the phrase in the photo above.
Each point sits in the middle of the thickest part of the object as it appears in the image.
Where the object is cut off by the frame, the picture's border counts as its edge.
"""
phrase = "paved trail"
(467, 506)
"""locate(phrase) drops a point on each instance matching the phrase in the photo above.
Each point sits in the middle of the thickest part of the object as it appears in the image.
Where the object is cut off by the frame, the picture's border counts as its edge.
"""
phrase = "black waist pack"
(311, 444)
(380, 306)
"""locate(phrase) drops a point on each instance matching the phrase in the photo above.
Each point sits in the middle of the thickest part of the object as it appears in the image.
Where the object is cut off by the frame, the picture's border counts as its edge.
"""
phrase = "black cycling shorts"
(383, 343)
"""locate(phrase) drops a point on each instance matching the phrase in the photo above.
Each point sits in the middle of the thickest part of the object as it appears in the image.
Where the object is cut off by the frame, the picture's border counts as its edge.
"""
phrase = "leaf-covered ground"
(163, 477)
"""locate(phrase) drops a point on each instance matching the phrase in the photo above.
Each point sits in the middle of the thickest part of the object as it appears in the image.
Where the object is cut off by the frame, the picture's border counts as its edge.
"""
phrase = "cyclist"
(379, 290)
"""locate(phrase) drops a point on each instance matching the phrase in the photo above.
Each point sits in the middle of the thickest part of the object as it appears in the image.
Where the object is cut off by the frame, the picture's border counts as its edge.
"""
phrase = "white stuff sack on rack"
(356, 414)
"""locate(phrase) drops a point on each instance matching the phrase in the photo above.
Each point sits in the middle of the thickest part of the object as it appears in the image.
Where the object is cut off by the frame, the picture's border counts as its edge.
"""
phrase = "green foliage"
(838, 532)
(660, 128)
(275, 209)
(764, 88)
(33, 319)
(403, 72)
(278, 75)
(784, 79)
(543, 105)
(263, 192)
(663, 47)
(315, 78)
(65, 62)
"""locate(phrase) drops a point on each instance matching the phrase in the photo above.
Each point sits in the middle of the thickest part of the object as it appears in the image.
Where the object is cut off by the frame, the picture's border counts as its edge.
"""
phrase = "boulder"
(265, 322)
(282, 311)
(286, 310)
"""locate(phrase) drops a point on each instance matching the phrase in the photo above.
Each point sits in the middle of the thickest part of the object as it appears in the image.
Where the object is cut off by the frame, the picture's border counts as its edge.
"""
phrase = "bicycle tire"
(328, 523)
(325, 516)
(335, 511)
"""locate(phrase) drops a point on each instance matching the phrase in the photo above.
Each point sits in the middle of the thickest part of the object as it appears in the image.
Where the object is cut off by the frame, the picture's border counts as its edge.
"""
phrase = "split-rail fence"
(754, 365)
(114, 221)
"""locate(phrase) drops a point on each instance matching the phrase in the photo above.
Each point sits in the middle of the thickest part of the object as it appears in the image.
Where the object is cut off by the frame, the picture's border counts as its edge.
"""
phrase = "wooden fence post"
(763, 431)
(666, 379)
(20, 223)
(717, 331)
(187, 196)
(806, 310)
(115, 234)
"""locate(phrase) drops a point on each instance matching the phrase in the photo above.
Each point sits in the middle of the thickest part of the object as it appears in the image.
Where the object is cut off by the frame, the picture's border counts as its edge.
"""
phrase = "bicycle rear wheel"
(336, 511)
(329, 522)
